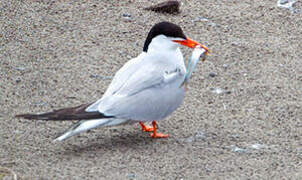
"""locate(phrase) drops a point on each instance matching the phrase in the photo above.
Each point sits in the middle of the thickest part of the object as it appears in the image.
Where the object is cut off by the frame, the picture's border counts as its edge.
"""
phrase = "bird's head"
(166, 31)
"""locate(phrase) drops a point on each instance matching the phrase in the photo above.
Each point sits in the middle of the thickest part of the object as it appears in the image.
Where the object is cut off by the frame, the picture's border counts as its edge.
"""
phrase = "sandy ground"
(56, 54)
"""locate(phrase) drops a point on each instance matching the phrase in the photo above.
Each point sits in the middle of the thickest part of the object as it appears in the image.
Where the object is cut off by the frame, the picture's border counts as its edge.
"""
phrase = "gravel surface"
(241, 118)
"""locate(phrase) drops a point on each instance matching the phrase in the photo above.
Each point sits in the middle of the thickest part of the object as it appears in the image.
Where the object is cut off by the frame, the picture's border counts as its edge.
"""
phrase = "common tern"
(147, 88)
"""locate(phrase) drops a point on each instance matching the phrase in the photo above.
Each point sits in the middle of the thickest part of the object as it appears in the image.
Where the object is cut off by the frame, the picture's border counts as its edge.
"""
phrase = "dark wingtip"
(73, 113)
(27, 116)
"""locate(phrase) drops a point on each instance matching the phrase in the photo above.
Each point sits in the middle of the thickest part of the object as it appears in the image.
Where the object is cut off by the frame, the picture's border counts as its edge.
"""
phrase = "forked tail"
(88, 120)
(85, 125)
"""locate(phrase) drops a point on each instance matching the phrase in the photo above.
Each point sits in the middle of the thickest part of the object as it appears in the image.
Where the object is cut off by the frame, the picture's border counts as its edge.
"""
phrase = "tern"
(147, 88)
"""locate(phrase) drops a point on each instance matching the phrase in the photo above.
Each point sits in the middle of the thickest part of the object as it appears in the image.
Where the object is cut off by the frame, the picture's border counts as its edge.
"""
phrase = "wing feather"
(137, 77)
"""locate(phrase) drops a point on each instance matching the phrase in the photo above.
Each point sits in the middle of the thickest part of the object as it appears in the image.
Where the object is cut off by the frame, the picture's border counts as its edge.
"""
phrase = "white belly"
(159, 103)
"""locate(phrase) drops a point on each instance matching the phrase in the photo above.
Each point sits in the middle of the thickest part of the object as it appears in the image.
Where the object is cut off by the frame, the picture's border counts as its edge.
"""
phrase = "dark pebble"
(228, 92)
(212, 74)
(126, 15)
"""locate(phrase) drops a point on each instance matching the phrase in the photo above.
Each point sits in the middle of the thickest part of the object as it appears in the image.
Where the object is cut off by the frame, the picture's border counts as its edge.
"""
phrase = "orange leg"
(146, 128)
(155, 134)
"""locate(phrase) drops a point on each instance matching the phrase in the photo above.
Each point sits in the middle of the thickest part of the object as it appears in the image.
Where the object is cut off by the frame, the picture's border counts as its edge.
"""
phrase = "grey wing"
(142, 94)
(124, 74)
(121, 76)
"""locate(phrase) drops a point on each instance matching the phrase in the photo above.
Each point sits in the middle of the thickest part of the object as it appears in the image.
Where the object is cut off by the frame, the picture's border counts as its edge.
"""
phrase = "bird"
(147, 88)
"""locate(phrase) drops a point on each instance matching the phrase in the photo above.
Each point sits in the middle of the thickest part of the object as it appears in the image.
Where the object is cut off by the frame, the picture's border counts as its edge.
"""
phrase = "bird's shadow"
(121, 142)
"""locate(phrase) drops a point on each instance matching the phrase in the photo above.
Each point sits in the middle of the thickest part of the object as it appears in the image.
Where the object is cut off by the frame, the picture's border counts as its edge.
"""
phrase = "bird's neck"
(161, 43)
(165, 50)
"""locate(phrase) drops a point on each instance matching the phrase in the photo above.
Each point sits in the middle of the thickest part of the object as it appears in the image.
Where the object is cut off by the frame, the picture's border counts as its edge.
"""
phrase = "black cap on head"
(163, 28)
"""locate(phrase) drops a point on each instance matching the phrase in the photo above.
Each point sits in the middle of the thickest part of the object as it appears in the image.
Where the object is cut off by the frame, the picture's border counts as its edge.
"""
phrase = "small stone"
(238, 149)
(40, 103)
(20, 68)
(228, 92)
(131, 176)
(126, 15)
(235, 43)
(212, 24)
(93, 76)
(283, 1)
(18, 80)
(211, 74)
(190, 139)
(200, 135)
(257, 146)
(197, 19)
(216, 90)
(286, 4)
(96, 76)
(235, 135)
(225, 66)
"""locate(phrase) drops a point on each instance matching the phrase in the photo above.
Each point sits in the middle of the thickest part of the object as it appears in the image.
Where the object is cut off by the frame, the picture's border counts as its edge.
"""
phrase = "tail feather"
(85, 125)
(73, 113)
(88, 120)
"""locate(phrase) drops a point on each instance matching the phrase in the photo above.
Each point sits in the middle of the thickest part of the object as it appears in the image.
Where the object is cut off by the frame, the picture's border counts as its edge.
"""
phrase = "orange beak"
(192, 44)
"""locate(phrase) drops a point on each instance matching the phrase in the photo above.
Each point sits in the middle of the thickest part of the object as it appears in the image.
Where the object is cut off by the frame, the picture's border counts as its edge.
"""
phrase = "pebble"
(203, 19)
(235, 135)
(228, 92)
(212, 24)
(238, 149)
(20, 68)
(216, 90)
(225, 106)
(131, 176)
(235, 43)
(127, 17)
(197, 19)
(211, 74)
(18, 80)
(198, 136)
(190, 139)
(40, 103)
(283, 1)
(257, 146)
(96, 76)
(286, 4)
